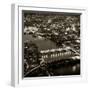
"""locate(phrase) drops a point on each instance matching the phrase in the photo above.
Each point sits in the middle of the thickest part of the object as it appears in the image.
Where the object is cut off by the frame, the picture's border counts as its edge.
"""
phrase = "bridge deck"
(49, 60)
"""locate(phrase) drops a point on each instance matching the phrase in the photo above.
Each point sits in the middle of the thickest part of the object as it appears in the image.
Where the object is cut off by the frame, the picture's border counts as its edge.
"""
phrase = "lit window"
(58, 54)
(51, 55)
(61, 54)
(46, 56)
(42, 56)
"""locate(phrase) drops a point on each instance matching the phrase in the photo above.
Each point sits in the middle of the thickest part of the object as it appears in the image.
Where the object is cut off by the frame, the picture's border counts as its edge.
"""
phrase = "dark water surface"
(58, 69)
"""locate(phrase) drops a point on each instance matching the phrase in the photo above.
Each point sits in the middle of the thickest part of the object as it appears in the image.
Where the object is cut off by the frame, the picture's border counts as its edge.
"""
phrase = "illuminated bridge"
(58, 54)
(49, 53)
(49, 50)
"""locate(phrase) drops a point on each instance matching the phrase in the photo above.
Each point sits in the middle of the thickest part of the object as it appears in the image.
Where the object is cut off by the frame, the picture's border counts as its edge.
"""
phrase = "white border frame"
(16, 52)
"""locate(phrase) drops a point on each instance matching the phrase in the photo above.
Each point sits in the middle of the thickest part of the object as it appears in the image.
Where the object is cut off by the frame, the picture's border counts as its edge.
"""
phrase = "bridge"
(55, 56)
(58, 54)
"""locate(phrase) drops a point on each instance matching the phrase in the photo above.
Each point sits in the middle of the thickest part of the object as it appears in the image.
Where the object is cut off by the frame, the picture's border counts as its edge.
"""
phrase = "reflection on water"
(71, 68)
(58, 69)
